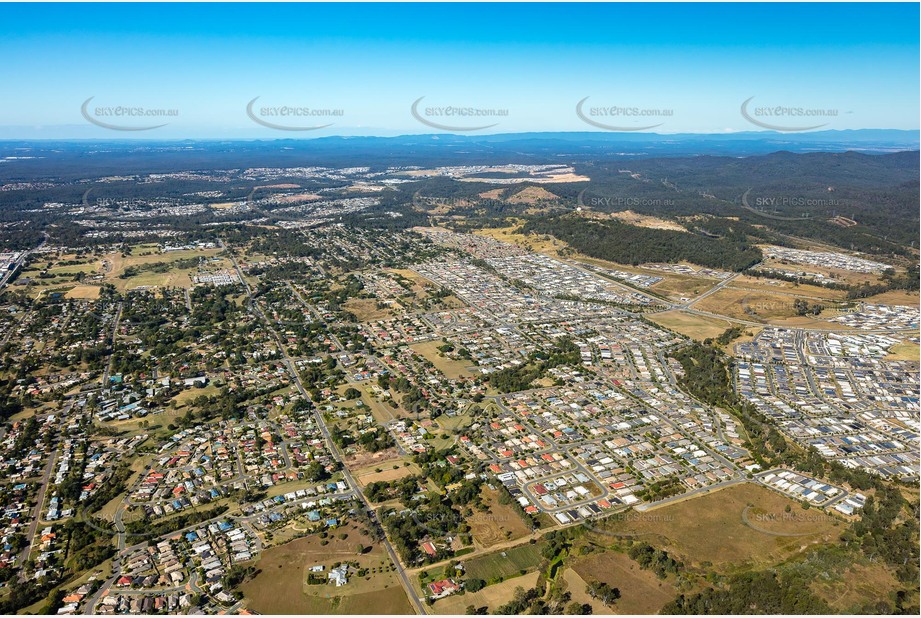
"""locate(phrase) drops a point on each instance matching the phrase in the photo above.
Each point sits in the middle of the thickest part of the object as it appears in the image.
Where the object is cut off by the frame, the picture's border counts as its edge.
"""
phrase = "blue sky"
(686, 66)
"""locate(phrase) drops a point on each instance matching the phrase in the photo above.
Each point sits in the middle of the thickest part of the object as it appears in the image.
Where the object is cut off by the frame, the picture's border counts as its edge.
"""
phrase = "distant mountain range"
(21, 159)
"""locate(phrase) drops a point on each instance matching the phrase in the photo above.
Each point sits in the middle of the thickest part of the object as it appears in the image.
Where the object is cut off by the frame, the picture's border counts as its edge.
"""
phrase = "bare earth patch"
(531, 195)
(634, 218)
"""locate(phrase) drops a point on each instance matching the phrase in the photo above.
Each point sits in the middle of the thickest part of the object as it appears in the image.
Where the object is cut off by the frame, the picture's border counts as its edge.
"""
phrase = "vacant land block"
(716, 528)
(501, 565)
(641, 591)
(696, 327)
(500, 522)
(281, 585)
(452, 369)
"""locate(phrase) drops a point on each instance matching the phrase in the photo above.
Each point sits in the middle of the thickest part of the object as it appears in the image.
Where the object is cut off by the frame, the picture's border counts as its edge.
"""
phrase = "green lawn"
(496, 566)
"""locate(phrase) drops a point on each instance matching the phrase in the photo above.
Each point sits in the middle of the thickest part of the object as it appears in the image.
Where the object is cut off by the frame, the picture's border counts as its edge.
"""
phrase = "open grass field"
(114, 265)
(697, 327)
(690, 529)
(135, 425)
(174, 278)
(368, 475)
(281, 585)
(451, 368)
(836, 274)
(501, 565)
(815, 291)
(501, 522)
(88, 292)
(148, 248)
(575, 586)
(673, 286)
(641, 591)
(185, 397)
(765, 306)
(895, 297)
(490, 596)
(640, 220)
(455, 423)
(419, 282)
(905, 351)
(676, 286)
(532, 242)
(358, 458)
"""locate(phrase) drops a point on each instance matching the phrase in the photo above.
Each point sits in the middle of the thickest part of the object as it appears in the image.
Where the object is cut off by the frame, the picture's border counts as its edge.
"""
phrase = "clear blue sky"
(535, 60)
